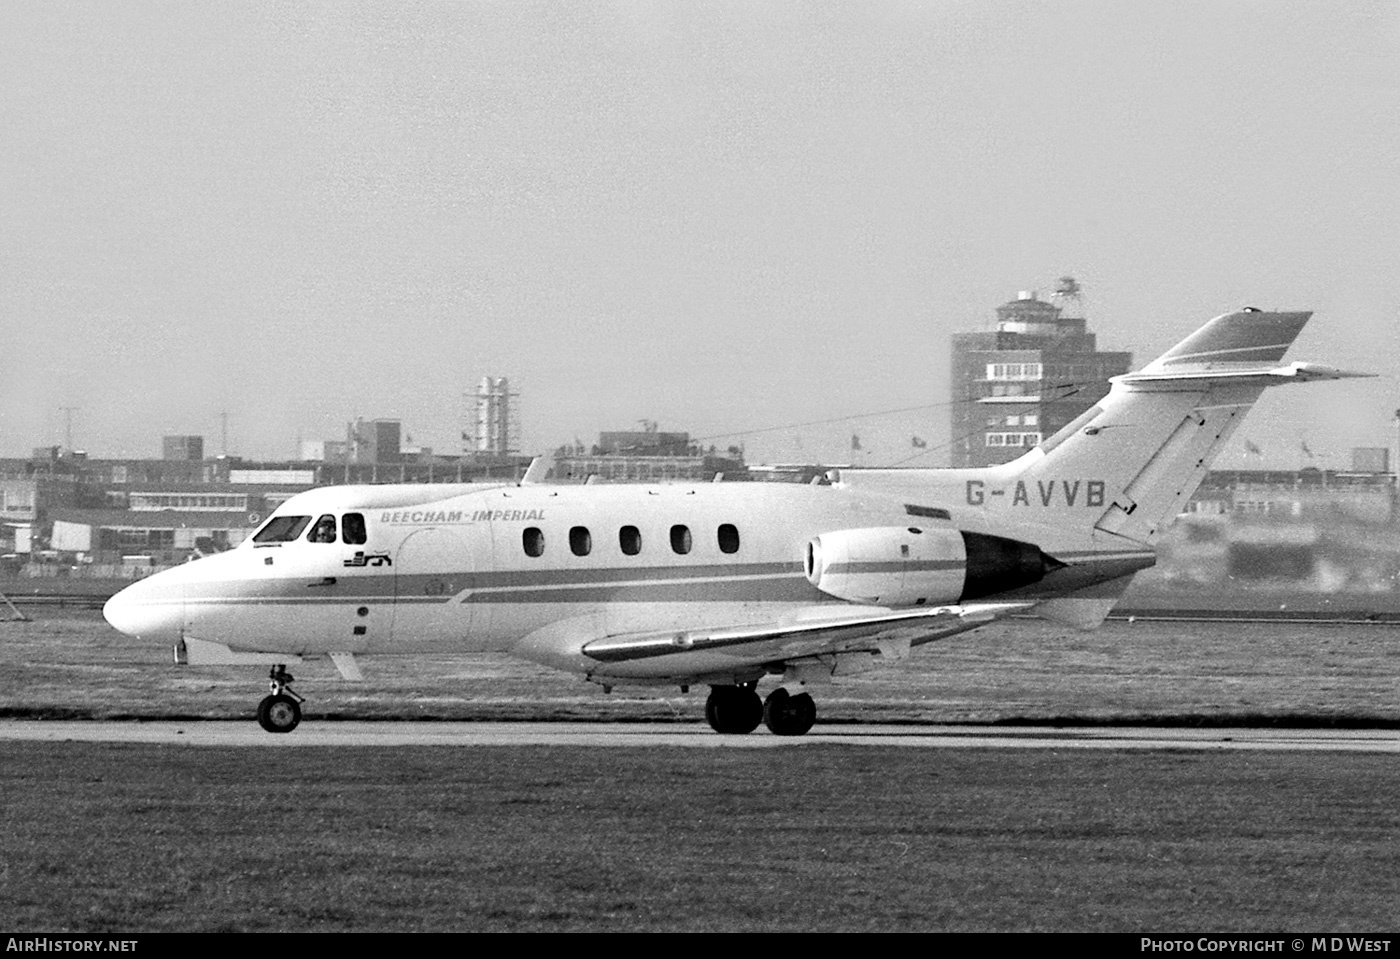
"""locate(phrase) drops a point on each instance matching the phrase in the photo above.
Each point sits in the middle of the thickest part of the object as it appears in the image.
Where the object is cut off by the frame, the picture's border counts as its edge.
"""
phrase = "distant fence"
(61, 600)
(86, 587)
(50, 571)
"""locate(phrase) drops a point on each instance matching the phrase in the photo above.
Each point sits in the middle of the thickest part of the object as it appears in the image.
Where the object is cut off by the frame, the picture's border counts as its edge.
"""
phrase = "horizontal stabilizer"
(1298, 372)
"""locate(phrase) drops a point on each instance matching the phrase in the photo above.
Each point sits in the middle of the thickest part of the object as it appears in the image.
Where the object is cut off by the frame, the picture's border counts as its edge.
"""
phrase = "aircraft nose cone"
(148, 609)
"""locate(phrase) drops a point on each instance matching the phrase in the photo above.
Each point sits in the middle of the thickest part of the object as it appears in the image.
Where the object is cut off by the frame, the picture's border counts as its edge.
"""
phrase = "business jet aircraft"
(725, 584)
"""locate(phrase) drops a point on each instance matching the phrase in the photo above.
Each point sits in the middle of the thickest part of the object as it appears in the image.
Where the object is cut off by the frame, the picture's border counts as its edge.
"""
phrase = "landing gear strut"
(787, 715)
(281, 711)
(734, 709)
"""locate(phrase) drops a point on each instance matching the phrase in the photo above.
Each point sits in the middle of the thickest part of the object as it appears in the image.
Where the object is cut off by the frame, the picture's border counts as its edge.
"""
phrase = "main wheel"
(733, 709)
(786, 715)
(279, 714)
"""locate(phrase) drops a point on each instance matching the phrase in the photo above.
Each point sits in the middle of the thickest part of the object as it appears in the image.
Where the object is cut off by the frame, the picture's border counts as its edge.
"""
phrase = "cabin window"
(630, 539)
(352, 529)
(323, 531)
(533, 540)
(680, 539)
(281, 529)
(580, 541)
(728, 538)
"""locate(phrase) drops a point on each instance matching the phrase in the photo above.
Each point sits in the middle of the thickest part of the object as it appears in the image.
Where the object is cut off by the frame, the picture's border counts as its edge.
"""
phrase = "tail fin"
(1125, 468)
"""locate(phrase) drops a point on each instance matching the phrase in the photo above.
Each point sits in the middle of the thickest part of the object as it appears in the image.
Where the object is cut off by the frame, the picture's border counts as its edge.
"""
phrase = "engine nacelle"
(912, 566)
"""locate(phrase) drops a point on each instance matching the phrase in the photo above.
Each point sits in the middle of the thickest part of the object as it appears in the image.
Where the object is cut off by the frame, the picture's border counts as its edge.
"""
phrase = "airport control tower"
(1037, 371)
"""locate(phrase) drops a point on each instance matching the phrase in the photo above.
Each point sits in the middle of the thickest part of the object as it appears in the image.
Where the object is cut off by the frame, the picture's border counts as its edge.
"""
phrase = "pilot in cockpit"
(323, 531)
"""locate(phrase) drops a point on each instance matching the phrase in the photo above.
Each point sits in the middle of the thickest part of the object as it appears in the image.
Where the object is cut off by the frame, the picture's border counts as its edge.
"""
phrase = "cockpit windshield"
(281, 529)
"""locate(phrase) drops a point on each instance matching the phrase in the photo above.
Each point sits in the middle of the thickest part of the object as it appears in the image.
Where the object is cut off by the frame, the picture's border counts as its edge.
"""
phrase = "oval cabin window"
(580, 541)
(533, 540)
(728, 538)
(680, 539)
(630, 539)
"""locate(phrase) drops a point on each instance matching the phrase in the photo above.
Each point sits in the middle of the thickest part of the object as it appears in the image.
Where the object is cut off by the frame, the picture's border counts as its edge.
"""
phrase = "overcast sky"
(722, 217)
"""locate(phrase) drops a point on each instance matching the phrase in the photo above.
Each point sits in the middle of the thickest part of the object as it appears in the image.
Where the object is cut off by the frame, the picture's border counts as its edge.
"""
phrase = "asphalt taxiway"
(248, 734)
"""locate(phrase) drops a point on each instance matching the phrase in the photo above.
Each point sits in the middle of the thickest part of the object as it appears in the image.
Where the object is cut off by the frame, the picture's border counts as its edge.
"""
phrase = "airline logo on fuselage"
(1048, 493)
(440, 517)
(373, 559)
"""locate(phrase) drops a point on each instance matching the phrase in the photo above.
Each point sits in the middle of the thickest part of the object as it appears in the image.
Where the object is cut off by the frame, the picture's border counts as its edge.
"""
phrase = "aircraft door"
(432, 576)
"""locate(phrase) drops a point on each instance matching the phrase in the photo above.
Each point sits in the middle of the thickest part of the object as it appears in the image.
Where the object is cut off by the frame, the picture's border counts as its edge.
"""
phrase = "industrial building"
(1015, 385)
(647, 455)
(188, 448)
(494, 425)
(375, 441)
(62, 512)
(127, 542)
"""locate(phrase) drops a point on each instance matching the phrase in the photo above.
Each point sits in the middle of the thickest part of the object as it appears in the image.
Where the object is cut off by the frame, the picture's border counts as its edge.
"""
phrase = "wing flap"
(808, 633)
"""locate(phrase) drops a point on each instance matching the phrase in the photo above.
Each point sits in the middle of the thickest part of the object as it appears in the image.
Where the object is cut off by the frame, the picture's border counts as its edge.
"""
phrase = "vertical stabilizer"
(1126, 467)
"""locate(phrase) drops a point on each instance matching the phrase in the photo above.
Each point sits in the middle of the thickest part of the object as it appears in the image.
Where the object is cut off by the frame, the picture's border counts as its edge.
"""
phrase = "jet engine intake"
(888, 566)
(914, 566)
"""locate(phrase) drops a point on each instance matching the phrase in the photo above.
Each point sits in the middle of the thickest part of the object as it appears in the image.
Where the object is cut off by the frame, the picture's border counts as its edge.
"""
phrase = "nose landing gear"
(281, 711)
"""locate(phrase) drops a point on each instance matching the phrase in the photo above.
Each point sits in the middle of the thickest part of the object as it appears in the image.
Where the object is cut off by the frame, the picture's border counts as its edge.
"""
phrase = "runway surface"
(247, 733)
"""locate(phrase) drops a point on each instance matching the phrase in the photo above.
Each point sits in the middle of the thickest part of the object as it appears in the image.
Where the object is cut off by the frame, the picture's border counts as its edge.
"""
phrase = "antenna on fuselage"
(538, 470)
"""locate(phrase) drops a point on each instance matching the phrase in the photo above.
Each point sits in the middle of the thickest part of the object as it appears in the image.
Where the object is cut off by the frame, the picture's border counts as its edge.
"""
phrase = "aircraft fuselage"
(472, 569)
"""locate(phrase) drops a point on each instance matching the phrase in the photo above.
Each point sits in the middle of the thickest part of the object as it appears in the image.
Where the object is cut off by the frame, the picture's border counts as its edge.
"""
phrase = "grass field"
(117, 838)
(102, 838)
(72, 665)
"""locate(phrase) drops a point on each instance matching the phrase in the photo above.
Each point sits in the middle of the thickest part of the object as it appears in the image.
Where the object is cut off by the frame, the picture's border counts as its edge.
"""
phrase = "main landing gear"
(735, 710)
(281, 711)
(786, 715)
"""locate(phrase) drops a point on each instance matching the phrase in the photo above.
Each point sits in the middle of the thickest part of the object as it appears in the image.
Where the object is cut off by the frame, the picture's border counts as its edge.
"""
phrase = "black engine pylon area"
(996, 564)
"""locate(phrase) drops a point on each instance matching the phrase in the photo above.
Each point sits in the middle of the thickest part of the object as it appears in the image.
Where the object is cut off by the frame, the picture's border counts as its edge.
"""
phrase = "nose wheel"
(281, 711)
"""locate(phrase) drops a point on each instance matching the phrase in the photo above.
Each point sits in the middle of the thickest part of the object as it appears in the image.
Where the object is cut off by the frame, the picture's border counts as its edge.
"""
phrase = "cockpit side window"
(352, 529)
(281, 529)
(323, 531)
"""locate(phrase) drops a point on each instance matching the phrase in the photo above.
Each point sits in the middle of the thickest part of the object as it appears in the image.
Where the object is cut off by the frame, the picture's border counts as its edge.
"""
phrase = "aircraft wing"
(810, 632)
